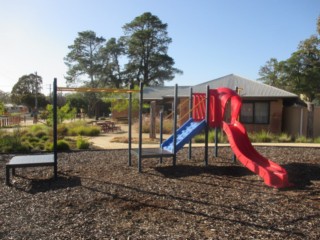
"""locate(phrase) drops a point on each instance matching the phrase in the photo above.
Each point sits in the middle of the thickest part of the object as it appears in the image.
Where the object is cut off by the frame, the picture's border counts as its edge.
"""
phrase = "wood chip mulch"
(98, 196)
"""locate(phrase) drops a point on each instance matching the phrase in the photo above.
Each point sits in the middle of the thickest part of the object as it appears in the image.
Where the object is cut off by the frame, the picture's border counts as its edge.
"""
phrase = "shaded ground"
(98, 196)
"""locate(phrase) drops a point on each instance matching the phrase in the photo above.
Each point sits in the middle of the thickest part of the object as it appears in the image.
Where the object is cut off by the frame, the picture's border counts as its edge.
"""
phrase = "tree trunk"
(310, 107)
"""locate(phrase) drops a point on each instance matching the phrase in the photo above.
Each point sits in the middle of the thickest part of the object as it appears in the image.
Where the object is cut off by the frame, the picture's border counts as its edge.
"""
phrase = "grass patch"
(81, 128)
(166, 128)
(82, 143)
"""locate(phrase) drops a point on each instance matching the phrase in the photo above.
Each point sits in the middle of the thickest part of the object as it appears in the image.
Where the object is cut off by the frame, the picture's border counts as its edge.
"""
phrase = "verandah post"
(140, 128)
(175, 125)
(129, 125)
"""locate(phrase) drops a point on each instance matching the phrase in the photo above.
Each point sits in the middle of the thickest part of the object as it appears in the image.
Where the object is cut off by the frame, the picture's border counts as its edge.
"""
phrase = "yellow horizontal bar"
(105, 90)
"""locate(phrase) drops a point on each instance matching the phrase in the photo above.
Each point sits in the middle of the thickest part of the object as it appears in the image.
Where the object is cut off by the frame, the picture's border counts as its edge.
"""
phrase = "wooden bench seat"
(28, 161)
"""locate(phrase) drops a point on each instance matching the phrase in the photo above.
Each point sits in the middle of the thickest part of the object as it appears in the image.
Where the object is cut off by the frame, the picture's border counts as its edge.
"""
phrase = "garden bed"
(98, 196)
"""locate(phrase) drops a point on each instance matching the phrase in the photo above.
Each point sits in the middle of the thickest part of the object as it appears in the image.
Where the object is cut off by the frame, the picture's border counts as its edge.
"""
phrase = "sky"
(210, 38)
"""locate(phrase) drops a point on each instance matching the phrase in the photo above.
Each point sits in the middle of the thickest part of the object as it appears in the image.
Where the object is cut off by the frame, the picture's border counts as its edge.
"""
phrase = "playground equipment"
(209, 111)
(38, 160)
(41, 160)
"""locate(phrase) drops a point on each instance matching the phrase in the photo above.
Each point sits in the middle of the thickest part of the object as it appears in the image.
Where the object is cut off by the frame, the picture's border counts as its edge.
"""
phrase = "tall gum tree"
(84, 64)
(146, 40)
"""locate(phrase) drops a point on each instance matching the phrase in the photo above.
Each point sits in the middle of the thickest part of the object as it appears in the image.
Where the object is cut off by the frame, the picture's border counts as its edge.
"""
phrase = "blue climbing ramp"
(184, 134)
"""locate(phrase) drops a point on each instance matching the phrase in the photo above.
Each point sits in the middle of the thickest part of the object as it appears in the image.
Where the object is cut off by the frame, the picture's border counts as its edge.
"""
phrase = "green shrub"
(200, 138)
(317, 140)
(284, 137)
(264, 136)
(38, 127)
(11, 142)
(84, 131)
(82, 143)
(252, 136)
(40, 134)
(81, 128)
(63, 145)
(48, 146)
(303, 139)
(45, 138)
(62, 130)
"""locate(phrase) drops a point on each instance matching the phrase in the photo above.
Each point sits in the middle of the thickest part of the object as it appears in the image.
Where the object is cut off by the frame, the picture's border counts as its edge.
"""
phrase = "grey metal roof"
(249, 88)
(158, 93)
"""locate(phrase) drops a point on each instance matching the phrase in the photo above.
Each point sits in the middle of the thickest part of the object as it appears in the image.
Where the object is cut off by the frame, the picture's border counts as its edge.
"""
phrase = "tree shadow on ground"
(186, 170)
(301, 174)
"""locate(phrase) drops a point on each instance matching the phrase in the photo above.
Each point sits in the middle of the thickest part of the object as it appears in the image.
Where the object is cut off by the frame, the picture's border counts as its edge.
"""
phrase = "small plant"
(200, 138)
(303, 139)
(264, 136)
(11, 142)
(82, 143)
(40, 134)
(63, 145)
(62, 130)
(317, 140)
(285, 138)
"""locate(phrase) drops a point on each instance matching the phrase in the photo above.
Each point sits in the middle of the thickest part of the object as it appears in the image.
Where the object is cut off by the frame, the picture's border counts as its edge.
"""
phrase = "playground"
(97, 195)
(207, 192)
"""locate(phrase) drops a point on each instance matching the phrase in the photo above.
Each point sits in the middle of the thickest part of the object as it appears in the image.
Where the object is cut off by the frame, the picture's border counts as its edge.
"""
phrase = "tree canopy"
(300, 73)
(83, 61)
(2, 108)
(146, 40)
(140, 55)
(27, 91)
(4, 97)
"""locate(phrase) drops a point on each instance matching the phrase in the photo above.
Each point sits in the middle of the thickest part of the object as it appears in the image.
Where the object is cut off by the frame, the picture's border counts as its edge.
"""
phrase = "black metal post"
(207, 128)
(234, 158)
(175, 125)
(129, 126)
(190, 116)
(161, 132)
(55, 132)
(140, 128)
(216, 140)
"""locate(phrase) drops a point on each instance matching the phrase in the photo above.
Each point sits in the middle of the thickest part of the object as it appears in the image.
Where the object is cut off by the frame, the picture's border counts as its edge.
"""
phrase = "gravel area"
(98, 196)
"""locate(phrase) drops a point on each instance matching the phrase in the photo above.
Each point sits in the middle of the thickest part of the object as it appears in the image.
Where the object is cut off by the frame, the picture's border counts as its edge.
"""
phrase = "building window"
(255, 112)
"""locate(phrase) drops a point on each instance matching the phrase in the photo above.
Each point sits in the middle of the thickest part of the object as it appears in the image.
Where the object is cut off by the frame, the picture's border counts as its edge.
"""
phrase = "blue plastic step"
(184, 134)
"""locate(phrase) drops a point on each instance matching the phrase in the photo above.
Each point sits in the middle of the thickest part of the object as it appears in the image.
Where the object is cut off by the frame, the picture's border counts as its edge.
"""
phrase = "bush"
(40, 134)
(264, 136)
(82, 143)
(166, 128)
(81, 128)
(63, 145)
(303, 139)
(285, 138)
(11, 142)
(62, 130)
(200, 138)
(317, 140)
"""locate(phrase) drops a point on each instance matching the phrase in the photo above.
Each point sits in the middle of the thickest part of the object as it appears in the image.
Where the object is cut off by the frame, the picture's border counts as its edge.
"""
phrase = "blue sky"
(211, 38)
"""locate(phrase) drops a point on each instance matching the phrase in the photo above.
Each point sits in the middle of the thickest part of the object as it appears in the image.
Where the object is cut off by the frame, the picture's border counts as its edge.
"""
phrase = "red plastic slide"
(273, 174)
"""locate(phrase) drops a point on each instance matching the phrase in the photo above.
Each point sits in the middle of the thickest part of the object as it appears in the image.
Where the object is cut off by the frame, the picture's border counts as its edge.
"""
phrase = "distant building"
(263, 107)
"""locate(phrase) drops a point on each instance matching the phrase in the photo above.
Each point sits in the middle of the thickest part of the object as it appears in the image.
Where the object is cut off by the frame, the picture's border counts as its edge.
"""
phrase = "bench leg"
(13, 171)
(7, 175)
